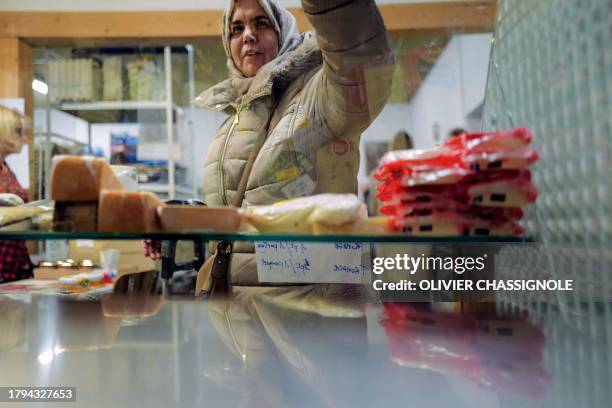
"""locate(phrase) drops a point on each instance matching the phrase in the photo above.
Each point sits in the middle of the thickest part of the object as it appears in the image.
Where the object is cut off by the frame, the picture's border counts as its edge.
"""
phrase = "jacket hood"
(272, 78)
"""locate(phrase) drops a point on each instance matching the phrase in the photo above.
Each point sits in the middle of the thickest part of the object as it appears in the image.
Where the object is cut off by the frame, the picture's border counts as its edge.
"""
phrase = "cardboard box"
(50, 273)
(130, 253)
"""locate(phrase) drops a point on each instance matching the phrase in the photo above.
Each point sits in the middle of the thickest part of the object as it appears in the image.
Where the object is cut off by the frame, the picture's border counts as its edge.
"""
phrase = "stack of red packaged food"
(473, 184)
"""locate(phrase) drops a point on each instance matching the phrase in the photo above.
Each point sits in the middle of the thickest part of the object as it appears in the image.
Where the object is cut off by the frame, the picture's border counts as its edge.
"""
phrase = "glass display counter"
(251, 237)
(139, 349)
(283, 258)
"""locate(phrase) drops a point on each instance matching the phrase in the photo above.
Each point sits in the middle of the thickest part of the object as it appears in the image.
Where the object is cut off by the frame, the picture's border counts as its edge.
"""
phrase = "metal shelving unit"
(41, 154)
(170, 188)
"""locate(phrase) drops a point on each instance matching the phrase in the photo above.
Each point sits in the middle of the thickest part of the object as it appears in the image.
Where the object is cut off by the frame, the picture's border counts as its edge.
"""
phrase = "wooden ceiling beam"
(180, 27)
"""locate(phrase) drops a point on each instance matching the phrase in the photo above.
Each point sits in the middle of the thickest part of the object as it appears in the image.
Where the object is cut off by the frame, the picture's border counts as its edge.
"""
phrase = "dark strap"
(220, 281)
(259, 142)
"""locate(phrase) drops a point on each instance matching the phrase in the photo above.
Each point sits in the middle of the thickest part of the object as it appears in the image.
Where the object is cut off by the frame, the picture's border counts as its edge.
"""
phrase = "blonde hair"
(401, 141)
(9, 118)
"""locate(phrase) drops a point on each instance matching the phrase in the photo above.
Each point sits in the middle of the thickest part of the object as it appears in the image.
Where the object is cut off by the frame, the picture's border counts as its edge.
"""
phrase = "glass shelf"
(246, 236)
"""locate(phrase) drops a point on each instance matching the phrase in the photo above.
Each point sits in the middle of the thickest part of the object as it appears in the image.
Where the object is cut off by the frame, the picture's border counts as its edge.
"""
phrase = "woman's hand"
(151, 249)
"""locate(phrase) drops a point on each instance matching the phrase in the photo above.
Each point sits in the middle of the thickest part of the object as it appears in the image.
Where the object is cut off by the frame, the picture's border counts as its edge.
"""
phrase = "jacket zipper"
(221, 178)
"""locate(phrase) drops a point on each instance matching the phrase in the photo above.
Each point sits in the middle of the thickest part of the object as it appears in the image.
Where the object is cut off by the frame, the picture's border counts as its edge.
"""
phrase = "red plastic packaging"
(475, 151)
(473, 184)
(506, 192)
(498, 160)
(415, 209)
(491, 141)
(502, 188)
(452, 223)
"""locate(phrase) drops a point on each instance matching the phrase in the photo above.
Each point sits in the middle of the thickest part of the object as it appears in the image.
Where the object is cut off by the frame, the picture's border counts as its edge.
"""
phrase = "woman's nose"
(249, 35)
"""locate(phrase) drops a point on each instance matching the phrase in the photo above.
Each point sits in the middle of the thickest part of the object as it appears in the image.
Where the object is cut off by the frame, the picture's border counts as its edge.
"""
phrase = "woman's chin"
(16, 149)
(251, 70)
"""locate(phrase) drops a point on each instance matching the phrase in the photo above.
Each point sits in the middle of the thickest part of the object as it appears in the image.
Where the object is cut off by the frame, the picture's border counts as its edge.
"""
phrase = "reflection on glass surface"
(301, 346)
(13, 323)
(501, 353)
(135, 298)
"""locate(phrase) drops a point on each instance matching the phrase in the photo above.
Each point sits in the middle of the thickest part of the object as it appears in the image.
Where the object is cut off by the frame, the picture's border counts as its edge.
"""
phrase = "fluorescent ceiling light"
(40, 87)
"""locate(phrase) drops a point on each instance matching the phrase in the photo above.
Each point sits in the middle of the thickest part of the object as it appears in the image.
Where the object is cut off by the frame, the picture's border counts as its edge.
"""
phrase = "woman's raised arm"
(358, 63)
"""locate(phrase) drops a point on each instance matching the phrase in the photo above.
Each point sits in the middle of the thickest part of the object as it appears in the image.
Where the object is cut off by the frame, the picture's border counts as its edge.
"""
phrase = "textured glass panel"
(551, 70)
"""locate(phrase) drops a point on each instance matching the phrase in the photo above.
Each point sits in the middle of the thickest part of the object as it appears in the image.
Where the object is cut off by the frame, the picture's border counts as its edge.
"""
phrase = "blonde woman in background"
(15, 262)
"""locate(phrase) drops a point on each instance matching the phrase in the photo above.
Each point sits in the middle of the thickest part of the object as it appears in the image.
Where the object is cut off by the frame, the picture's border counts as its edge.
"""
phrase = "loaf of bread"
(81, 178)
(182, 218)
(128, 211)
(75, 217)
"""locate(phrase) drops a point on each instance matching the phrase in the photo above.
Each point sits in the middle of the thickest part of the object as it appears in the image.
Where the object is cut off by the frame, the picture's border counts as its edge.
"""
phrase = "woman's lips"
(252, 54)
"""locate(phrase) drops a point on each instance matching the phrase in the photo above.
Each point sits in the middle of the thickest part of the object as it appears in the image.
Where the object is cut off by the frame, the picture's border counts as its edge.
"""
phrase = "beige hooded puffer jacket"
(320, 93)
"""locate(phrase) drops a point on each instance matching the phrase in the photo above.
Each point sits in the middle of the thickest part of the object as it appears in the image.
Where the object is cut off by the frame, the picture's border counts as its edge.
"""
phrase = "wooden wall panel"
(15, 69)
(192, 26)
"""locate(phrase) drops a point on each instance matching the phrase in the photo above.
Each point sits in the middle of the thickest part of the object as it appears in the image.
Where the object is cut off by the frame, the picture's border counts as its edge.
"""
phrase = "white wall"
(205, 125)
(62, 123)
(392, 119)
(453, 88)
(475, 52)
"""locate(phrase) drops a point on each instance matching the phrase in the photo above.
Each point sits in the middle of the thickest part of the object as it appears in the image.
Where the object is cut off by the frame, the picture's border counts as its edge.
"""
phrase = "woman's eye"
(262, 24)
(235, 30)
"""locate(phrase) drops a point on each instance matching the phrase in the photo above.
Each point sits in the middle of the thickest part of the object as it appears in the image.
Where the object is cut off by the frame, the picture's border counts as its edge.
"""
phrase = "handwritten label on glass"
(304, 262)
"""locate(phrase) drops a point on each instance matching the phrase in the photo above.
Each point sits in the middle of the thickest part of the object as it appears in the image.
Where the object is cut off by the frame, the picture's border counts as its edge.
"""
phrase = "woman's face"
(16, 140)
(253, 40)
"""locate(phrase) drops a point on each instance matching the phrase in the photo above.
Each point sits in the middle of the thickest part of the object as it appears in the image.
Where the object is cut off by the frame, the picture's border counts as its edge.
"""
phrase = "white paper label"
(301, 186)
(304, 262)
(56, 250)
(84, 243)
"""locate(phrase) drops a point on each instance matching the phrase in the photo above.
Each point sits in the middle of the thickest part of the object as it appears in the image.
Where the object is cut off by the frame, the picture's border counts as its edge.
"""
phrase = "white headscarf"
(289, 38)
